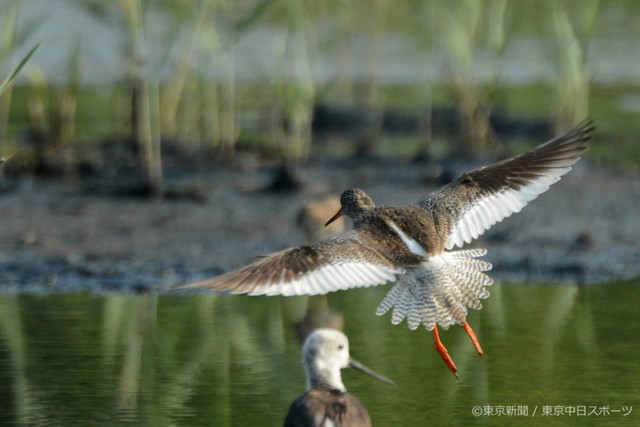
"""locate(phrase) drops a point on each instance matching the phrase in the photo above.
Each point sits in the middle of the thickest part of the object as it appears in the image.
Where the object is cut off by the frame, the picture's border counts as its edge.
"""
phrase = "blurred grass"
(191, 95)
(9, 13)
(572, 96)
(95, 119)
(467, 29)
(6, 92)
(144, 88)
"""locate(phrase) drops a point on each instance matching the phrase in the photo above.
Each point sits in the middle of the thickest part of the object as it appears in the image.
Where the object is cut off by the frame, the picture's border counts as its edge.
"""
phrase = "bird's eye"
(340, 346)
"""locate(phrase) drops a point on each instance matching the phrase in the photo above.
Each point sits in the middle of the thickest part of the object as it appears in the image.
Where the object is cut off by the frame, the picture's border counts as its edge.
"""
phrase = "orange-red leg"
(444, 353)
(474, 339)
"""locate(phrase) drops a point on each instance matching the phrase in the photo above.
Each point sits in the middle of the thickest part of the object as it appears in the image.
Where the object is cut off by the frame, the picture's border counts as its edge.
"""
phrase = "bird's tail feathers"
(440, 290)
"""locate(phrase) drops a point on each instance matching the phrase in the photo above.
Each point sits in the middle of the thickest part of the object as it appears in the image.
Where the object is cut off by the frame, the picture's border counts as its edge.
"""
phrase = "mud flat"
(56, 236)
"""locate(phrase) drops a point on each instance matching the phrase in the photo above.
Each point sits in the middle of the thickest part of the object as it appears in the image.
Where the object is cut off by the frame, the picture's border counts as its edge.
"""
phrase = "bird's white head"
(324, 353)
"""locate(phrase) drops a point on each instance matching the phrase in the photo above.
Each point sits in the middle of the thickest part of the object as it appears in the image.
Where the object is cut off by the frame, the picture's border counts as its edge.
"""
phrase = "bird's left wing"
(335, 264)
(470, 205)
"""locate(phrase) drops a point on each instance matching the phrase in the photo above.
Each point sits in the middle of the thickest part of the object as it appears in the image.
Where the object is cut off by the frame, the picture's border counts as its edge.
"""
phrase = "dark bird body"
(323, 406)
(412, 245)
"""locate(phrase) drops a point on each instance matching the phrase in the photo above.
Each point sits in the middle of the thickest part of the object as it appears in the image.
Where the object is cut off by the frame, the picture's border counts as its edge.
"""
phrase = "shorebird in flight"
(413, 245)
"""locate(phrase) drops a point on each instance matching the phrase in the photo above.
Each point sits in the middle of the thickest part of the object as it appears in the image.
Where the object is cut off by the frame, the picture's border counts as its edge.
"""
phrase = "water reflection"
(231, 360)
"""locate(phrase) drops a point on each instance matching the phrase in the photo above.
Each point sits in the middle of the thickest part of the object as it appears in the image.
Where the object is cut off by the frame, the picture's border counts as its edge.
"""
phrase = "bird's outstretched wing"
(471, 204)
(339, 263)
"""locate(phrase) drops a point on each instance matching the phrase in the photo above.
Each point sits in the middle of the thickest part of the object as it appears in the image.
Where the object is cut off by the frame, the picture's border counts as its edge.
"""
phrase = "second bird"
(326, 402)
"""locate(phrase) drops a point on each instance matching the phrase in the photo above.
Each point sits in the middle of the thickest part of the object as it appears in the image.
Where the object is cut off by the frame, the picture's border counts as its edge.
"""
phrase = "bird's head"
(353, 203)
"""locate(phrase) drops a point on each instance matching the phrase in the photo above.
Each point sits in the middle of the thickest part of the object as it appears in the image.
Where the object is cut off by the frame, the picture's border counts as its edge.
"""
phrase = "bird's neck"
(358, 219)
(318, 376)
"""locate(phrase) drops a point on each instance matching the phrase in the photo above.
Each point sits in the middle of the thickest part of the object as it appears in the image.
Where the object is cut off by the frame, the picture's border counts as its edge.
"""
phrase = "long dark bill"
(359, 366)
(333, 218)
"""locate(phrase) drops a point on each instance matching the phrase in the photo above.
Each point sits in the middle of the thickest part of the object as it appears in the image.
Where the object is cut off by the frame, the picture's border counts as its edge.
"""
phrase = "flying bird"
(414, 245)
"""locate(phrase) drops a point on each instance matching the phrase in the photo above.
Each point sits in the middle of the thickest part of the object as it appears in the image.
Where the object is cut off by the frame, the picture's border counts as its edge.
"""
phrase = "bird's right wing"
(335, 264)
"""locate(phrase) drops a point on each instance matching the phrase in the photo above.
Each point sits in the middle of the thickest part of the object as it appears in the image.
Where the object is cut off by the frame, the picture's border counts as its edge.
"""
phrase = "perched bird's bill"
(362, 368)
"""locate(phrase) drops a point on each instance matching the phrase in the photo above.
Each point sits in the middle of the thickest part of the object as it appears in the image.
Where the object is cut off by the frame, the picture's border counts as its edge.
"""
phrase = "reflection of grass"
(25, 404)
(236, 359)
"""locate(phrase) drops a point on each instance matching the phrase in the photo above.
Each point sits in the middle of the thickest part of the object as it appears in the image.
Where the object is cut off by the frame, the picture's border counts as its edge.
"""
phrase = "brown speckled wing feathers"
(470, 205)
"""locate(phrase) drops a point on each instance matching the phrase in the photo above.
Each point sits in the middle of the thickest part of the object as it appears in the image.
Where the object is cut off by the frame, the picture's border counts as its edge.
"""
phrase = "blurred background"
(147, 144)
(275, 76)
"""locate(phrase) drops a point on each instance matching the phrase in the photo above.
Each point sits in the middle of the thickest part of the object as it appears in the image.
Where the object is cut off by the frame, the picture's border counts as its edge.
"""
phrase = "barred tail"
(440, 290)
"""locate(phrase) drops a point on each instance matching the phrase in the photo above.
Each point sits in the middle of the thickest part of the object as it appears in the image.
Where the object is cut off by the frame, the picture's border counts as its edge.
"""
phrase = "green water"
(234, 360)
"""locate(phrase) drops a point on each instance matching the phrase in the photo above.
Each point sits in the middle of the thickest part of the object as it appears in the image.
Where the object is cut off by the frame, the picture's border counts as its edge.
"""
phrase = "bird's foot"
(442, 350)
(474, 339)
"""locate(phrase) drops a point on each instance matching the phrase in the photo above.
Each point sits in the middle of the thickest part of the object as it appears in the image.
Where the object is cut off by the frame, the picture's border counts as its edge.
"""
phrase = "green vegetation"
(468, 28)
(572, 96)
(5, 101)
(181, 84)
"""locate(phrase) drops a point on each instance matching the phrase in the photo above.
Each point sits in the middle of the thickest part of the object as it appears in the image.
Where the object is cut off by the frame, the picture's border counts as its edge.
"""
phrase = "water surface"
(84, 359)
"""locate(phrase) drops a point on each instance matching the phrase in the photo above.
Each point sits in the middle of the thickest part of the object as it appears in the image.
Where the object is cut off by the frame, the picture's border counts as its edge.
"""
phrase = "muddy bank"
(58, 237)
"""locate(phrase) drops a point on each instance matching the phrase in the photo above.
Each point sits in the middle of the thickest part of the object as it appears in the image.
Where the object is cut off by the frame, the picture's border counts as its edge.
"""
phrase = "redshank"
(326, 402)
(412, 245)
